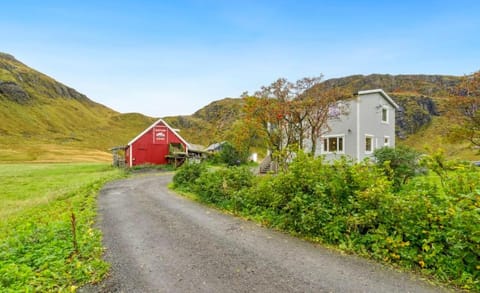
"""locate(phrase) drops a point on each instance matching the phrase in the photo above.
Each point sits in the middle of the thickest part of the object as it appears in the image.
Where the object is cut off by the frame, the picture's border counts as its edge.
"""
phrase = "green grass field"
(37, 251)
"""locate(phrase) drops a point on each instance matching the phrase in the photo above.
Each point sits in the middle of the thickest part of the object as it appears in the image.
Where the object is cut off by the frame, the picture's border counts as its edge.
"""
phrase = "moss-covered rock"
(14, 92)
(414, 113)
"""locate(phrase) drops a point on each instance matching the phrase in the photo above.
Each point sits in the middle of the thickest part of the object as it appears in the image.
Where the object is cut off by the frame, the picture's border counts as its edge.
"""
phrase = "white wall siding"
(364, 119)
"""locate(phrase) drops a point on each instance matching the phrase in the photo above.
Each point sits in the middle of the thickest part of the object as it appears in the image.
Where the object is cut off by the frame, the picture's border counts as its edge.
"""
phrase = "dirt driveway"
(158, 241)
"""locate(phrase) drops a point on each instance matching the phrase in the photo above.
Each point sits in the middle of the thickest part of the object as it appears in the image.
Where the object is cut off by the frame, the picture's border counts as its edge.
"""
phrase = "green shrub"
(400, 163)
(387, 210)
(186, 175)
(229, 156)
(221, 185)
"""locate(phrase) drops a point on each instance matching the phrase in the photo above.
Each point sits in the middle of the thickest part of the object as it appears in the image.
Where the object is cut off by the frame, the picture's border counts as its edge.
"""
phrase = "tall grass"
(39, 204)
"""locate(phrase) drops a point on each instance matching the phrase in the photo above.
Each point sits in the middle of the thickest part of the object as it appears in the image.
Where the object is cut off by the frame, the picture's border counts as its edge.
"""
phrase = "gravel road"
(158, 241)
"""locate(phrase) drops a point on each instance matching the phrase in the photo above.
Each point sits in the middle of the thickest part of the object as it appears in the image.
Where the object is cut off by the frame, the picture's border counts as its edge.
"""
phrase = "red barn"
(154, 145)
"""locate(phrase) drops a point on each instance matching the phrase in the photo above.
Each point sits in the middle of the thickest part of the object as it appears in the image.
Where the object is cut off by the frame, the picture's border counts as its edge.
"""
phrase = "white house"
(368, 124)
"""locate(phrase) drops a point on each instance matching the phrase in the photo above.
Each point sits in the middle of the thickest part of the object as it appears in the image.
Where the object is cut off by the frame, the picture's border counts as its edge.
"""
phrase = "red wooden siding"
(151, 146)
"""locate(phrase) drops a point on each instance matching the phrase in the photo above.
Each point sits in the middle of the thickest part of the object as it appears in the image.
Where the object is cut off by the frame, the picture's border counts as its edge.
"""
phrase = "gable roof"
(196, 148)
(381, 92)
(214, 146)
(152, 126)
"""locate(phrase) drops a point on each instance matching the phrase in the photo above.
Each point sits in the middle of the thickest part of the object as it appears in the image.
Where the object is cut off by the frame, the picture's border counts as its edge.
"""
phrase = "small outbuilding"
(215, 147)
(159, 144)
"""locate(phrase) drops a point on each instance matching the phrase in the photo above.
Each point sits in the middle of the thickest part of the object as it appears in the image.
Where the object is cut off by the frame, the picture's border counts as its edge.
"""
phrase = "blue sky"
(165, 58)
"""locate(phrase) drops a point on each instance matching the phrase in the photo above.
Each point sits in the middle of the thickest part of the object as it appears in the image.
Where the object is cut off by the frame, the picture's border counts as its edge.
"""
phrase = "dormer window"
(384, 114)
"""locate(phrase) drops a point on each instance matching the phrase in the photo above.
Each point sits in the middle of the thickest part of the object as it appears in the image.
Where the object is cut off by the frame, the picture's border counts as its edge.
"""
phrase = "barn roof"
(152, 126)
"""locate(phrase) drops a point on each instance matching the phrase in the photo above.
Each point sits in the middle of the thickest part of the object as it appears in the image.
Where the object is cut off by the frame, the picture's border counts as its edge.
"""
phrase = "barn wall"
(152, 146)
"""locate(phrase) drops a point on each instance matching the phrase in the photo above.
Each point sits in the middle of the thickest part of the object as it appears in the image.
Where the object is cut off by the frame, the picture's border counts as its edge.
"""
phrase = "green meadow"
(47, 238)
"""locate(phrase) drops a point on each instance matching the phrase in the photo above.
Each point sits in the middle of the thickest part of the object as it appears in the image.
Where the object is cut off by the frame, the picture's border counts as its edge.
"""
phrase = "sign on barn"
(160, 134)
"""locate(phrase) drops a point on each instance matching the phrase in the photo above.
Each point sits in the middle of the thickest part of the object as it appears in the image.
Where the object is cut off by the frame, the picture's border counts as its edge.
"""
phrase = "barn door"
(141, 155)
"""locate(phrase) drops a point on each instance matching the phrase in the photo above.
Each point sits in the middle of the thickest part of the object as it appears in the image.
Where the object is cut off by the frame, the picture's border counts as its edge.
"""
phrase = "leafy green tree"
(245, 134)
(400, 164)
(231, 156)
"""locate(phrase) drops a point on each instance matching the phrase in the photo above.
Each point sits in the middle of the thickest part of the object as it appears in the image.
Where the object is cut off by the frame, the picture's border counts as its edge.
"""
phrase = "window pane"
(368, 144)
(332, 144)
(340, 144)
(384, 115)
(325, 145)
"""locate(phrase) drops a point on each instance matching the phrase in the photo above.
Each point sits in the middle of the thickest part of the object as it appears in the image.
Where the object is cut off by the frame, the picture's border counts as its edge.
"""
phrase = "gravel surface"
(158, 241)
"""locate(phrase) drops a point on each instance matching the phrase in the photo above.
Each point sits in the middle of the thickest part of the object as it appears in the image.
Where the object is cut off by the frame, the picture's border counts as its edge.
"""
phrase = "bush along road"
(158, 241)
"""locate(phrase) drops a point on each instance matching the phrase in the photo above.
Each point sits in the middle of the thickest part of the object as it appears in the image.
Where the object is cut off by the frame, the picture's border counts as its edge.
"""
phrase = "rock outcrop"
(415, 112)
(14, 92)
(17, 79)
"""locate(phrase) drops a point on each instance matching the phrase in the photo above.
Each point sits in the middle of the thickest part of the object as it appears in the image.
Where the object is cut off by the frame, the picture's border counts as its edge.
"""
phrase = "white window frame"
(386, 141)
(387, 114)
(327, 137)
(371, 143)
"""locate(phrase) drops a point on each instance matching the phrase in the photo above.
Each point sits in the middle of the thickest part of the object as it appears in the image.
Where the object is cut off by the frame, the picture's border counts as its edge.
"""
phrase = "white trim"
(358, 129)
(333, 135)
(381, 92)
(131, 154)
(153, 125)
(341, 135)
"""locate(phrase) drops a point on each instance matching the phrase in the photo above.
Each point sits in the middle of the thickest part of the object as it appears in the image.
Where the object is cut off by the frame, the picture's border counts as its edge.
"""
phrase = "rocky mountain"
(428, 85)
(23, 85)
(43, 119)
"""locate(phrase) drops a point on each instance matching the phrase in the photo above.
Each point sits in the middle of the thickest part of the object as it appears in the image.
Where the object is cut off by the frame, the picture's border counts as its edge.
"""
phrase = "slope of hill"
(210, 123)
(42, 119)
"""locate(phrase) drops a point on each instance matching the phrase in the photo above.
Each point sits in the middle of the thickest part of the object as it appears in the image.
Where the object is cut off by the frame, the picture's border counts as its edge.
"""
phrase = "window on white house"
(384, 115)
(386, 141)
(334, 111)
(333, 144)
(368, 144)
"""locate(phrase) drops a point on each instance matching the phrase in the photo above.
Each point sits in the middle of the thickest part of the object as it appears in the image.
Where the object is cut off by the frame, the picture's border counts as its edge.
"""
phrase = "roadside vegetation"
(47, 238)
(421, 213)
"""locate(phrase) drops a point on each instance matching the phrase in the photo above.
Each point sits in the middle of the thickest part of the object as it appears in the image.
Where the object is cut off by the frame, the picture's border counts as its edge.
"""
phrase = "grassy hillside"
(43, 120)
(209, 124)
(433, 137)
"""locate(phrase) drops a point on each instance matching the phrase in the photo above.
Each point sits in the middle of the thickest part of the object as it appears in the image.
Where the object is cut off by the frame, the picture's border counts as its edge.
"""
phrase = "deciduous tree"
(323, 104)
(291, 113)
